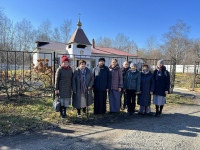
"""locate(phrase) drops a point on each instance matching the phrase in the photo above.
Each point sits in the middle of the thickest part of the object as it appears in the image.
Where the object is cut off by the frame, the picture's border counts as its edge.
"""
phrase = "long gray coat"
(63, 82)
(76, 86)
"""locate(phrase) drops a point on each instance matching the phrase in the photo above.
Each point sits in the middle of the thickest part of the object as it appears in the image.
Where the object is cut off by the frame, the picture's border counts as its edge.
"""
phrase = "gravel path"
(178, 128)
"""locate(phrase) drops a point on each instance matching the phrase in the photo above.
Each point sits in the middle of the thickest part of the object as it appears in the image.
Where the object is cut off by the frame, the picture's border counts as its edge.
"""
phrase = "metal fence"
(28, 75)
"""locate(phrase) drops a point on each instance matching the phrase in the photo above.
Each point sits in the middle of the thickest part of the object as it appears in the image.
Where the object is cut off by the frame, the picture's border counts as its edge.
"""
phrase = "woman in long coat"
(116, 86)
(63, 82)
(147, 88)
(162, 86)
(83, 80)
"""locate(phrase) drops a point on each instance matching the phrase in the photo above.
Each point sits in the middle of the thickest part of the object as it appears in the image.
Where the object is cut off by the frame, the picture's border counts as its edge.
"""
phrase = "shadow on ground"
(177, 123)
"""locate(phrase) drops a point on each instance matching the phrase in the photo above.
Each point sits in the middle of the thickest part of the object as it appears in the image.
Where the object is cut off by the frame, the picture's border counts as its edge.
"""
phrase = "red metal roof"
(112, 51)
(97, 50)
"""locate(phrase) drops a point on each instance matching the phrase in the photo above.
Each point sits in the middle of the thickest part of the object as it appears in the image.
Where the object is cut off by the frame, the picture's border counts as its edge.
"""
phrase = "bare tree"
(56, 35)
(6, 28)
(104, 42)
(44, 31)
(196, 48)
(175, 46)
(176, 42)
(123, 43)
(24, 35)
(66, 30)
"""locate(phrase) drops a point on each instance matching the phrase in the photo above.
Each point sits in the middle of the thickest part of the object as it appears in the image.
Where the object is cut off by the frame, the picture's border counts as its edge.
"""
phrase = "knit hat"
(64, 58)
(101, 59)
(161, 62)
(133, 64)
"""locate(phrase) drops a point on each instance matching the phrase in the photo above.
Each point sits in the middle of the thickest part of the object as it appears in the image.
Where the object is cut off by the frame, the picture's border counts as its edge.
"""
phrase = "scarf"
(113, 68)
(83, 74)
(133, 70)
(145, 72)
(66, 67)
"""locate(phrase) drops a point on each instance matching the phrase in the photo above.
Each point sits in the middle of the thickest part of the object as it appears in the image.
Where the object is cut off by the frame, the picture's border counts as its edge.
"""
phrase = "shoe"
(160, 114)
(156, 114)
(78, 115)
(142, 114)
(130, 113)
(149, 114)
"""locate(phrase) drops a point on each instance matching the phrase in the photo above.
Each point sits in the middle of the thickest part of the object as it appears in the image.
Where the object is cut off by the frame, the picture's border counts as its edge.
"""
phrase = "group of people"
(122, 85)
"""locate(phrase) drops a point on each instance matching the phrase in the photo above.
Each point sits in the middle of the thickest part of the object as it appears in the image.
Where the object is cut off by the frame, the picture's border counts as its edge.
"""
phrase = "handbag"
(56, 104)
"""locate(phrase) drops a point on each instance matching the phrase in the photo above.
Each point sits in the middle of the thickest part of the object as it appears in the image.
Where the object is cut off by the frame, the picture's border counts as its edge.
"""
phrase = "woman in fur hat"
(63, 82)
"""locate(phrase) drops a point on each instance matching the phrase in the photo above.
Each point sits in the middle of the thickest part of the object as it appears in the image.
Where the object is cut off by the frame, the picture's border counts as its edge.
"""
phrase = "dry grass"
(22, 115)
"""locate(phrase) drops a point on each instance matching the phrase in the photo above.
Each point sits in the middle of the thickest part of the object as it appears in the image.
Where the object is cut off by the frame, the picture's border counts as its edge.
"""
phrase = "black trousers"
(131, 98)
(125, 99)
(100, 102)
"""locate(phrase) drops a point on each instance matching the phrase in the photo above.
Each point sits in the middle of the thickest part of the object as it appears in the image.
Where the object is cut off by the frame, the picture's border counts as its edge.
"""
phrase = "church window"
(81, 46)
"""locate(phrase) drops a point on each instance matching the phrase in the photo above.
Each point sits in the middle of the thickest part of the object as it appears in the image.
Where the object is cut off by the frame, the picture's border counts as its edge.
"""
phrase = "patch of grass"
(179, 99)
(184, 80)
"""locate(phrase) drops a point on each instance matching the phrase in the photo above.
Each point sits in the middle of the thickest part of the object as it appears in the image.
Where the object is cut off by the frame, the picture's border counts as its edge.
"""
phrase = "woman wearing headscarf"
(162, 86)
(101, 86)
(132, 87)
(147, 88)
(116, 85)
(63, 82)
(82, 83)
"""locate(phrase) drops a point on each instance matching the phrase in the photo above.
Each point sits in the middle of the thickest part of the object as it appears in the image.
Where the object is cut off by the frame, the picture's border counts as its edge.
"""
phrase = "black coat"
(147, 85)
(101, 78)
(124, 70)
(162, 81)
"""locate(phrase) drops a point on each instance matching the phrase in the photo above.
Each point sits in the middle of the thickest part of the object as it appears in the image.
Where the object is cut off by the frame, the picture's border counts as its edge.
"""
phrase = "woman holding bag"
(63, 82)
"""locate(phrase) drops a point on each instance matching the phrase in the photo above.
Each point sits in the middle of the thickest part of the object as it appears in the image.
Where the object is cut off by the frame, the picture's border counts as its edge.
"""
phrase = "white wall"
(77, 51)
(184, 68)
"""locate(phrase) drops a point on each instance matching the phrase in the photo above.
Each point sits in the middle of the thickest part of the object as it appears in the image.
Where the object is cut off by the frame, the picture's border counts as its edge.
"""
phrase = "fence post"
(173, 76)
(194, 77)
(54, 72)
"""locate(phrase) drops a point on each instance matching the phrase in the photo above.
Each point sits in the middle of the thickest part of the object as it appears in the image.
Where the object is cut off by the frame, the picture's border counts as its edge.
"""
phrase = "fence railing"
(28, 75)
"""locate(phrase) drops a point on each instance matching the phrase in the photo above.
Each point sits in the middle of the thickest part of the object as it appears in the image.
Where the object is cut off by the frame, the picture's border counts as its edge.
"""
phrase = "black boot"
(78, 112)
(84, 110)
(64, 114)
(61, 112)
(160, 112)
(157, 111)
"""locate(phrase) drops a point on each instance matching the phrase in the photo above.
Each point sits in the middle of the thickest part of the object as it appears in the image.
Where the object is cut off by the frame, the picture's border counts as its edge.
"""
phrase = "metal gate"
(28, 75)
(21, 78)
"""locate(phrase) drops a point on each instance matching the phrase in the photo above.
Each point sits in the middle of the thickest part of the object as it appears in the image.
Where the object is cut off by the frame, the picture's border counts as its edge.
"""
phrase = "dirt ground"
(178, 128)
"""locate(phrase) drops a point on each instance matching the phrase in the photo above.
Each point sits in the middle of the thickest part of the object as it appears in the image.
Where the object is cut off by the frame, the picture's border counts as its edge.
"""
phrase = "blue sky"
(137, 19)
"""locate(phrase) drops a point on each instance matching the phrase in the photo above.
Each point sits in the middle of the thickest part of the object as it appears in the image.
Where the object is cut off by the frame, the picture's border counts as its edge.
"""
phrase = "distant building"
(79, 47)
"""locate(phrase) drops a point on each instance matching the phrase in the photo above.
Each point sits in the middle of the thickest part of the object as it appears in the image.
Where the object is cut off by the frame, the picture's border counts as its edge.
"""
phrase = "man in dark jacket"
(101, 86)
(125, 68)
